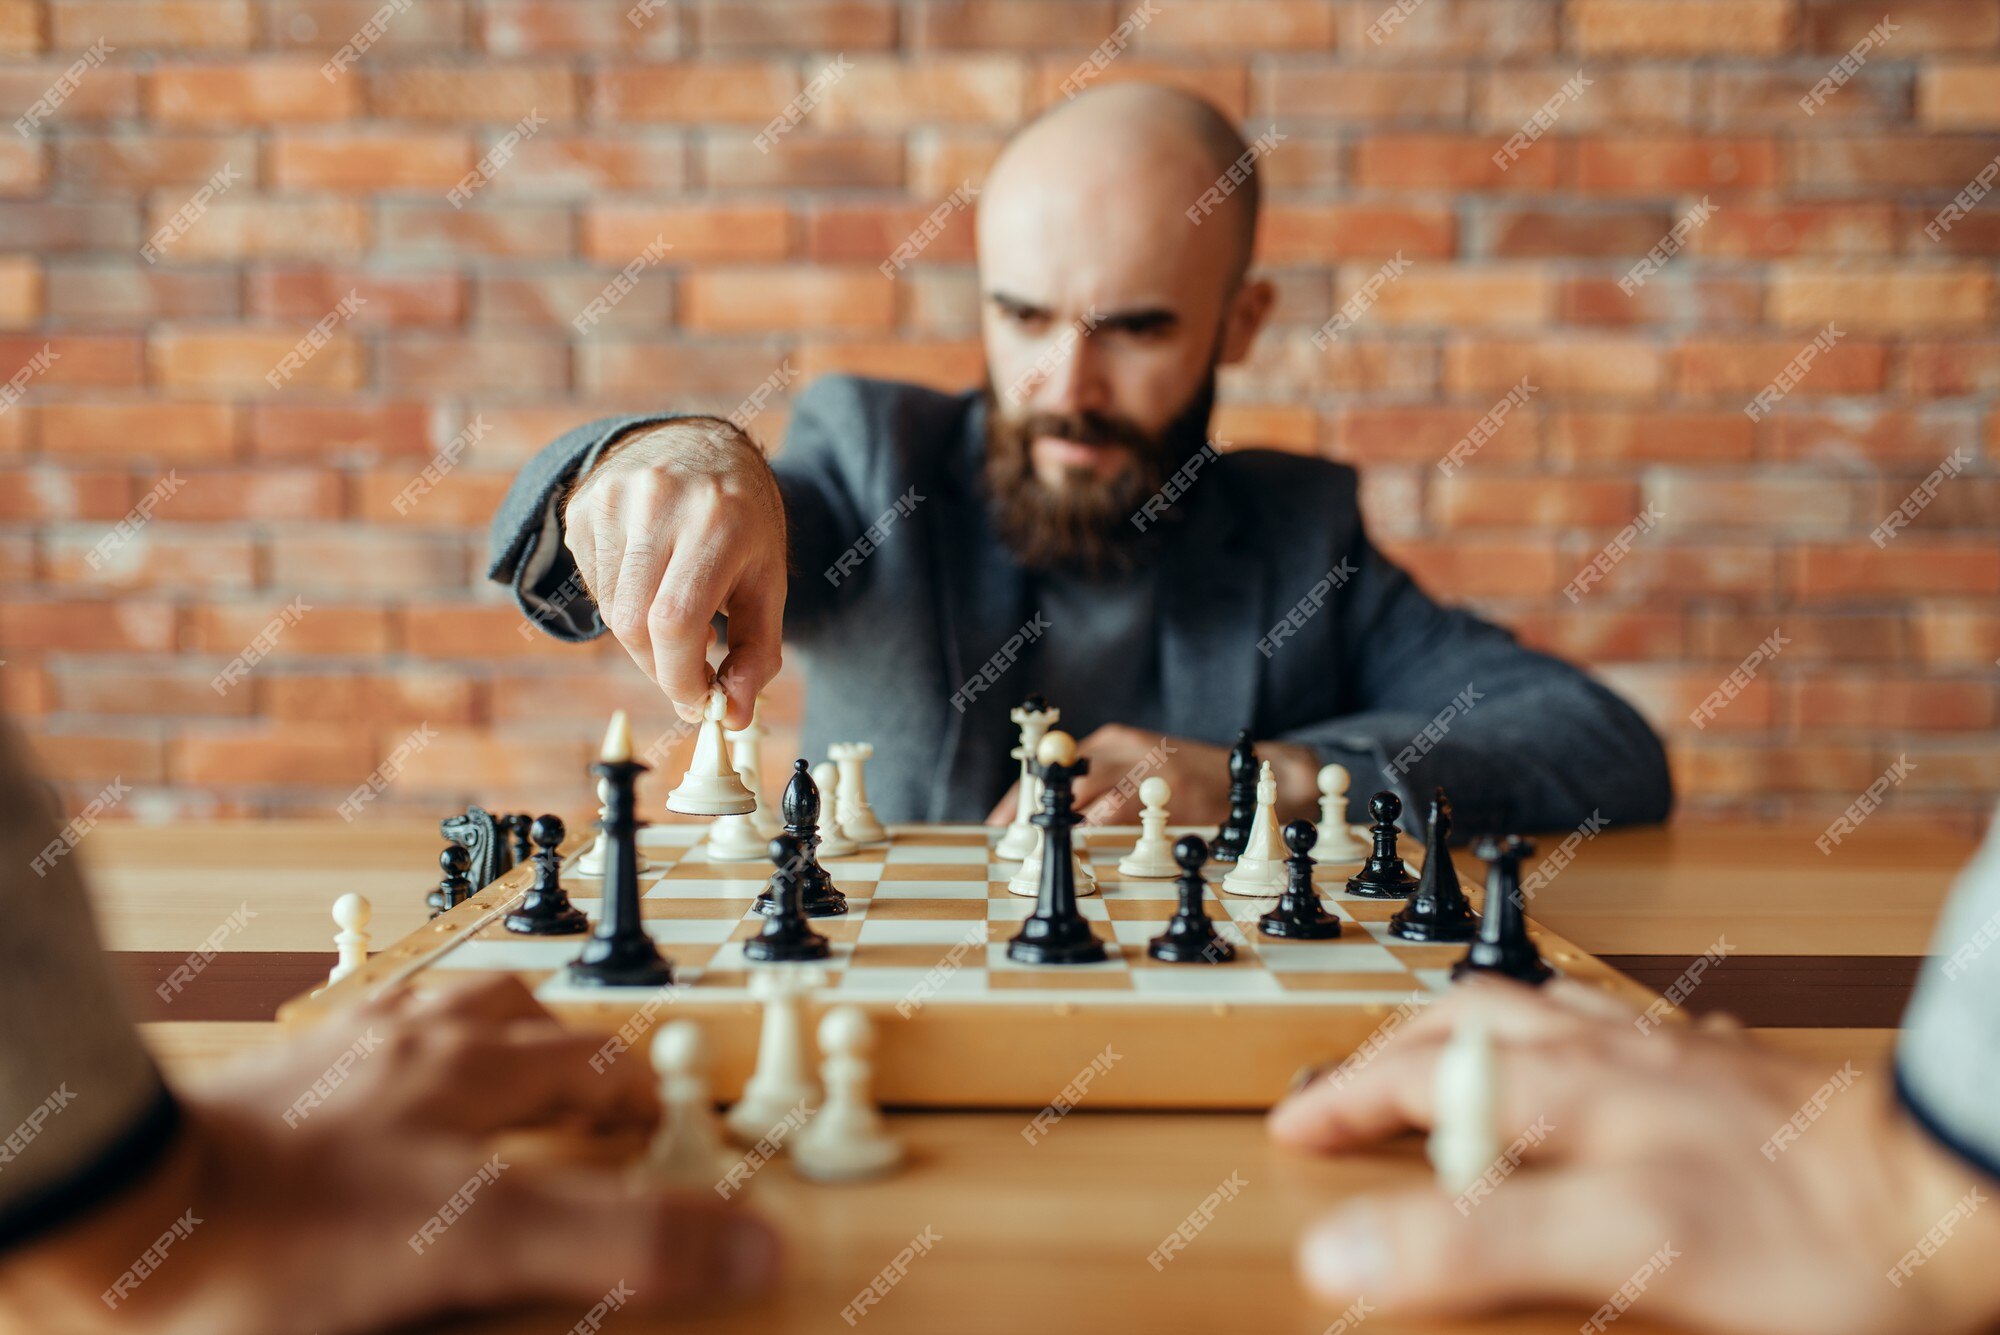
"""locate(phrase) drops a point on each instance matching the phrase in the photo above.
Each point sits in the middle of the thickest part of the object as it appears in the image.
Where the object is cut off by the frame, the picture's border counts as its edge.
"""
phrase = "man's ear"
(1248, 309)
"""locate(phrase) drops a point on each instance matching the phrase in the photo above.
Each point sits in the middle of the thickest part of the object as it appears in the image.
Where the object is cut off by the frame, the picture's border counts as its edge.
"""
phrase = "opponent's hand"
(1121, 758)
(673, 526)
(307, 1224)
(1650, 1146)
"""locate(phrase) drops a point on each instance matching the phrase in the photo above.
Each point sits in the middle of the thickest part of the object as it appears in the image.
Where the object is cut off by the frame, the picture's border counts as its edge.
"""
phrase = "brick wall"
(340, 185)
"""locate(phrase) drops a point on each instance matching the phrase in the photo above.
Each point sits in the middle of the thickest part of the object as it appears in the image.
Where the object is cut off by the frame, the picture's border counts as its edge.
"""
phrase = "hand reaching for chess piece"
(1197, 772)
(673, 525)
(324, 1216)
(1672, 1149)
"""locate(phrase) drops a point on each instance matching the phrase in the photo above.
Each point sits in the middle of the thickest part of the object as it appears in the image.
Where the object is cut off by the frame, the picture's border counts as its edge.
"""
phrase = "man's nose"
(1075, 384)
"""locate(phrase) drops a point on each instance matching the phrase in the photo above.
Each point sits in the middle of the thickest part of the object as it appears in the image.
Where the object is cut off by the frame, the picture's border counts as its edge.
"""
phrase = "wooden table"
(1055, 1236)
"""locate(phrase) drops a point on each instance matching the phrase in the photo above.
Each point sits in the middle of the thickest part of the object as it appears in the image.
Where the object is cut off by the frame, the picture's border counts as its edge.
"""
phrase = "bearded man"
(1068, 530)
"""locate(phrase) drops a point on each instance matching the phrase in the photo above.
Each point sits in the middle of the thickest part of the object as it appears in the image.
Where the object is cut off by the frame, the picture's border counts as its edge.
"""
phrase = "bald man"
(1067, 529)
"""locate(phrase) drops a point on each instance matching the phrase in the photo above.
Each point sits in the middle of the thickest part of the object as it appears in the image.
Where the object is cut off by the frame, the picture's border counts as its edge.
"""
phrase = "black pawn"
(1439, 911)
(800, 808)
(788, 933)
(1299, 915)
(1383, 876)
(1243, 770)
(455, 887)
(1503, 946)
(517, 828)
(1191, 937)
(1057, 932)
(546, 910)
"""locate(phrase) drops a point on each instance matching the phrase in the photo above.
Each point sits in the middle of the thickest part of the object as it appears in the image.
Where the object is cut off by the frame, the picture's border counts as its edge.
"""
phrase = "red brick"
(377, 699)
(1780, 231)
(523, 764)
(1867, 436)
(1906, 566)
(1425, 434)
(1720, 636)
(1758, 98)
(579, 697)
(324, 26)
(1326, 233)
(1786, 504)
(263, 496)
(249, 94)
(20, 292)
(1731, 768)
(1021, 25)
(462, 500)
(1652, 436)
(53, 225)
(1734, 28)
(1954, 768)
(23, 168)
(357, 560)
(168, 689)
(879, 93)
(440, 233)
(158, 556)
(801, 160)
(1600, 635)
(243, 227)
(1724, 368)
(28, 494)
(109, 92)
(1681, 297)
(1667, 695)
(1455, 296)
(1227, 85)
(1663, 570)
(26, 690)
(478, 633)
(1293, 428)
(1296, 27)
(1950, 26)
(502, 95)
(75, 359)
(1963, 366)
(1656, 165)
(511, 435)
(725, 300)
(586, 165)
(1869, 165)
(1450, 162)
(1959, 96)
(1487, 499)
(1607, 368)
(238, 360)
(95, 758)
(163, 25)
(319, 627)
(800, 25)
(1490, 31)
(358, 434)
(617, 233)
(1905, 299)
(1642, 97)
(368, 163)
(121, 625)
(389, 299)
(742, 92)
(870, 234)
(947, 366)
(297, 754)
(1956, 636)
(92, 292)
(1482, 567)
(490, 363)
(20, 28)
(1515, 232)
(593, 27)
(1872, 701)
(133, 161)
(666, 371)
(554, 302)
(942, 161)
(1363, 96)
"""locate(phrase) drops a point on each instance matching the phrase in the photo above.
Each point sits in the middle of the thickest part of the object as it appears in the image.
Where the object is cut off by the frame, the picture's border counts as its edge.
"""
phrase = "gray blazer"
(1276, 615)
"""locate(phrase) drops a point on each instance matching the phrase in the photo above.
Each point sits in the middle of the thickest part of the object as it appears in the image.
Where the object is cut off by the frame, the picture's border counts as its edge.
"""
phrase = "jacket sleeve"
(1517, 739)
(83, 1111)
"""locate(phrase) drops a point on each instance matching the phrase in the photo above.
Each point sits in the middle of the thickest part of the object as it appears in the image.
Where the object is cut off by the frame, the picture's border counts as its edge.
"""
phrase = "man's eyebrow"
(1137, 319)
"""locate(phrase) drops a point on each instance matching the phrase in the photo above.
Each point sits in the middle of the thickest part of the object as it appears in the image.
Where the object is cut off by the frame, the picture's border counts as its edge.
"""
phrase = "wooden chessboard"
(922, 948)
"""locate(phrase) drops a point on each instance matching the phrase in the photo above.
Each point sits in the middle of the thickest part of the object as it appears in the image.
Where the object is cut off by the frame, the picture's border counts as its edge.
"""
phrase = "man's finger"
(681, 623)
(640, 564)
(496, 998)
(532, 1075)
(1556, 1236)
(756, 609)
(1003, 810)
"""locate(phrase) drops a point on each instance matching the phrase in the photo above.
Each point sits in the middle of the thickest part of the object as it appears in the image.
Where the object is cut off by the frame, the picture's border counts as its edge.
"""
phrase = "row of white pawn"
(840, 1138)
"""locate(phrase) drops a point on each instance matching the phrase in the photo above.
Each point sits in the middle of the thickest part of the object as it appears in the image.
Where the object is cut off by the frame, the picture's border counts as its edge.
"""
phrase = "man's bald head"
(1141, 145)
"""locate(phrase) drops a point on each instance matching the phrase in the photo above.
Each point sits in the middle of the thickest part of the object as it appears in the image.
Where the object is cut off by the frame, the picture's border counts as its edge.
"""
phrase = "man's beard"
(1085, 526)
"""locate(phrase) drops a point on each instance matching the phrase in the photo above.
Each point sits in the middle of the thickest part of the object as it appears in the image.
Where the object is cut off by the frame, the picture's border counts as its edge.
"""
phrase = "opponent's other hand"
(674, 525)
(383, 1198)
(1122, 757)
(1678, 1147)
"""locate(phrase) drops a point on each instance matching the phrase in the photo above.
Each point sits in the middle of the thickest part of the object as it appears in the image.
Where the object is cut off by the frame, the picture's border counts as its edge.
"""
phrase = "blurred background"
(197, 191)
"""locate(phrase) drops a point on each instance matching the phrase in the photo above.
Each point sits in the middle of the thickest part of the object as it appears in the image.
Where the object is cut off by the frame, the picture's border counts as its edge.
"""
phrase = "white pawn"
(687, 1150)
(1027, 878)
(747, 754)
(833, 841)
(711, 786)
(1259, 872)
(1019, 841)
(780, 1092)
(1337, 839)
(1465, 1140)
(1152, 858)
(856, 817)
(846, 1139)
(351, 913)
